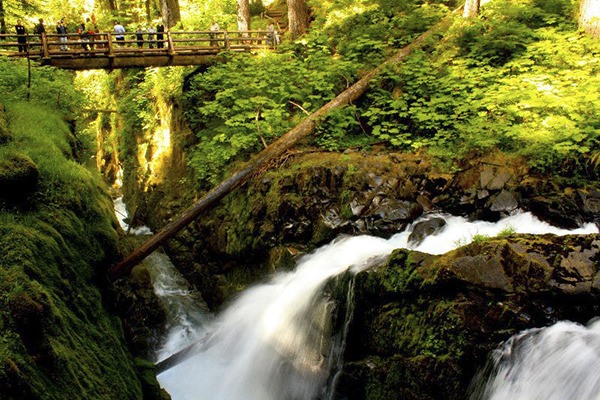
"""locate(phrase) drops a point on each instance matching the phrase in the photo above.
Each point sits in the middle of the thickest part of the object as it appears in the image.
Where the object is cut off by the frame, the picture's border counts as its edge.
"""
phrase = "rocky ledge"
(310, 198)
(423, 324)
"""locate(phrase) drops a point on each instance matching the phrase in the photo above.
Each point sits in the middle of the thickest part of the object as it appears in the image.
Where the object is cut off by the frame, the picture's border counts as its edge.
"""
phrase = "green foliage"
(236, 107)
(497, 83)
(49, 86)
(366, 32)
(507, 231)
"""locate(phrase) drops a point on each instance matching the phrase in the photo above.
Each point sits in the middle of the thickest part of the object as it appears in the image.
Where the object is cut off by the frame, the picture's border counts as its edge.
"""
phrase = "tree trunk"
(111, 5)
(298, 17)
(589, 17)
(170, 12)
(471, 8)
(274, 150)
(2, 18)
(243, 15)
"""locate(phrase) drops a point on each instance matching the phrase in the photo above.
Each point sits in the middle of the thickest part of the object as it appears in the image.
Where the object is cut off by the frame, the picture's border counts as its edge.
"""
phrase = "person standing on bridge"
(119, 33)
(21, 38)
(61, 29)
(39, 28)
(160, 29)
(139, 36)
(214, 27)
(151, 31)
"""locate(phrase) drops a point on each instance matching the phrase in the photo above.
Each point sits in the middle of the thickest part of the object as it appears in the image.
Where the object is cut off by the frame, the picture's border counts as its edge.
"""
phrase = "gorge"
(435, 237)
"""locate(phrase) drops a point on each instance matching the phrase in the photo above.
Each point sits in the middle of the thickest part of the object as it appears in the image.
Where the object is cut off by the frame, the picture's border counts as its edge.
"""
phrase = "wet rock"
(456, 307)
(396, 210)
(505, 201)
(556, 209)
(425, 228)
(481, 270)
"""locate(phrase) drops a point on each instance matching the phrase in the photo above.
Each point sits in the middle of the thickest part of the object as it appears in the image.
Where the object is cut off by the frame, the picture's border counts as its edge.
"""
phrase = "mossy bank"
(58, 236)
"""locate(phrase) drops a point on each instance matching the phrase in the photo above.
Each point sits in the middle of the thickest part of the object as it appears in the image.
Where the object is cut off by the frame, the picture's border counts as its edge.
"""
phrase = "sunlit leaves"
(542, 102)
(238, 107)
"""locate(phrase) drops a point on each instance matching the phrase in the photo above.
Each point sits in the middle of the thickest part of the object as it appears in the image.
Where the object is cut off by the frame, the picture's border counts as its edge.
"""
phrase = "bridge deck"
(104, 51)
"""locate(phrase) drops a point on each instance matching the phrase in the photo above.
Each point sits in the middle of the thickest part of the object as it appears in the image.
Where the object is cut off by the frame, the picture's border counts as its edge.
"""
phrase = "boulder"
(423, 325)
(19, 176)
(425, 228)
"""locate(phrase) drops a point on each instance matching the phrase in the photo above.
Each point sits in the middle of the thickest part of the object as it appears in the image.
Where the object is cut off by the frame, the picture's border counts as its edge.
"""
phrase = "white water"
(122, 215)
(187, 315)
(561, 362)
(271, 343)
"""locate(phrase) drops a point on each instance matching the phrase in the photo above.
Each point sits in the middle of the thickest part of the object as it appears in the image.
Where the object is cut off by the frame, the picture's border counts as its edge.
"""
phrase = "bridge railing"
(109, 44)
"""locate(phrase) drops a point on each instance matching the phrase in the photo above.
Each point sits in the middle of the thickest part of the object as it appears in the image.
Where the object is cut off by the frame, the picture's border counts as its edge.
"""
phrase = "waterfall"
(272, 342)
(561, 362)
(187, 314)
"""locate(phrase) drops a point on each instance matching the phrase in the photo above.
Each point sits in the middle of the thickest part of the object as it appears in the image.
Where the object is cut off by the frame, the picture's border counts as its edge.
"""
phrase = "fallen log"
(260, 160)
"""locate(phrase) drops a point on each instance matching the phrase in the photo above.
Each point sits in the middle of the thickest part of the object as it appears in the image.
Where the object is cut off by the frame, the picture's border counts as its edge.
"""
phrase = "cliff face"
(58, 236)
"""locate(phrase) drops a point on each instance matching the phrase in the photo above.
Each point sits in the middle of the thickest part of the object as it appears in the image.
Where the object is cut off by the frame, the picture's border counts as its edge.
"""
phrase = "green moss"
(56, 338)
(5, 134)
(18, 174)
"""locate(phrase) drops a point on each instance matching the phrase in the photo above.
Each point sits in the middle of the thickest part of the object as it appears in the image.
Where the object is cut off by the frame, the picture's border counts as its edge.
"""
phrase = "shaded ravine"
(273, 341)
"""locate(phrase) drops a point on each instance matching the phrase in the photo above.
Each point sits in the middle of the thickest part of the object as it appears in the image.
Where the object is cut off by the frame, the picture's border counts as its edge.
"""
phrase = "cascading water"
(187, 315)
(561, 362)
(271, 343)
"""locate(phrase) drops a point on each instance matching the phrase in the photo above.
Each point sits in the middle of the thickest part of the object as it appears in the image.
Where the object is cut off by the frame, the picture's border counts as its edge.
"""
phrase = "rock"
(481, 270)
(19, 176)
(424, 320)
(556, 209)
(505, 201)
(425, 228)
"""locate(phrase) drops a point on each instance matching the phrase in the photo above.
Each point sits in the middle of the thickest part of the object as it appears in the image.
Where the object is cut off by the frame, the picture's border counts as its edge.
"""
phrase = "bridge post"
(226, 37)
(170, 46)
(45, 49)
(110, 44)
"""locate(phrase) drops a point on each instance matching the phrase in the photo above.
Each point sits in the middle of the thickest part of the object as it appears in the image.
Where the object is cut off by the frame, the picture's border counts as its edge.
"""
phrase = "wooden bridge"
(105, 50)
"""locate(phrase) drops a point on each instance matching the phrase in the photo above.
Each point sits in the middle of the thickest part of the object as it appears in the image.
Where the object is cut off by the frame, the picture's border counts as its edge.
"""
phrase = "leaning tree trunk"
(262, 159)
(298, 17)
(471, 8)
(171, 14)
(243, 15)
(589, 17)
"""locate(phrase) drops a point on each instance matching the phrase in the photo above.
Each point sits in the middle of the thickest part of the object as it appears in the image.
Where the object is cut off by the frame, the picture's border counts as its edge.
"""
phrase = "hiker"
(151, 31)
(214, 27)
(139, 36)
(39, 28)
(82, 36)
(61, 29)
(21, 38)
(119, 33)
(90, 29)
(271, 35)
(160, 29)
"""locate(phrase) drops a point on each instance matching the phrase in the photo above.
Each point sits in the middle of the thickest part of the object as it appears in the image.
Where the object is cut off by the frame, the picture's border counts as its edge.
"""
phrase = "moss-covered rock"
(424, 324)
(19, 175)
